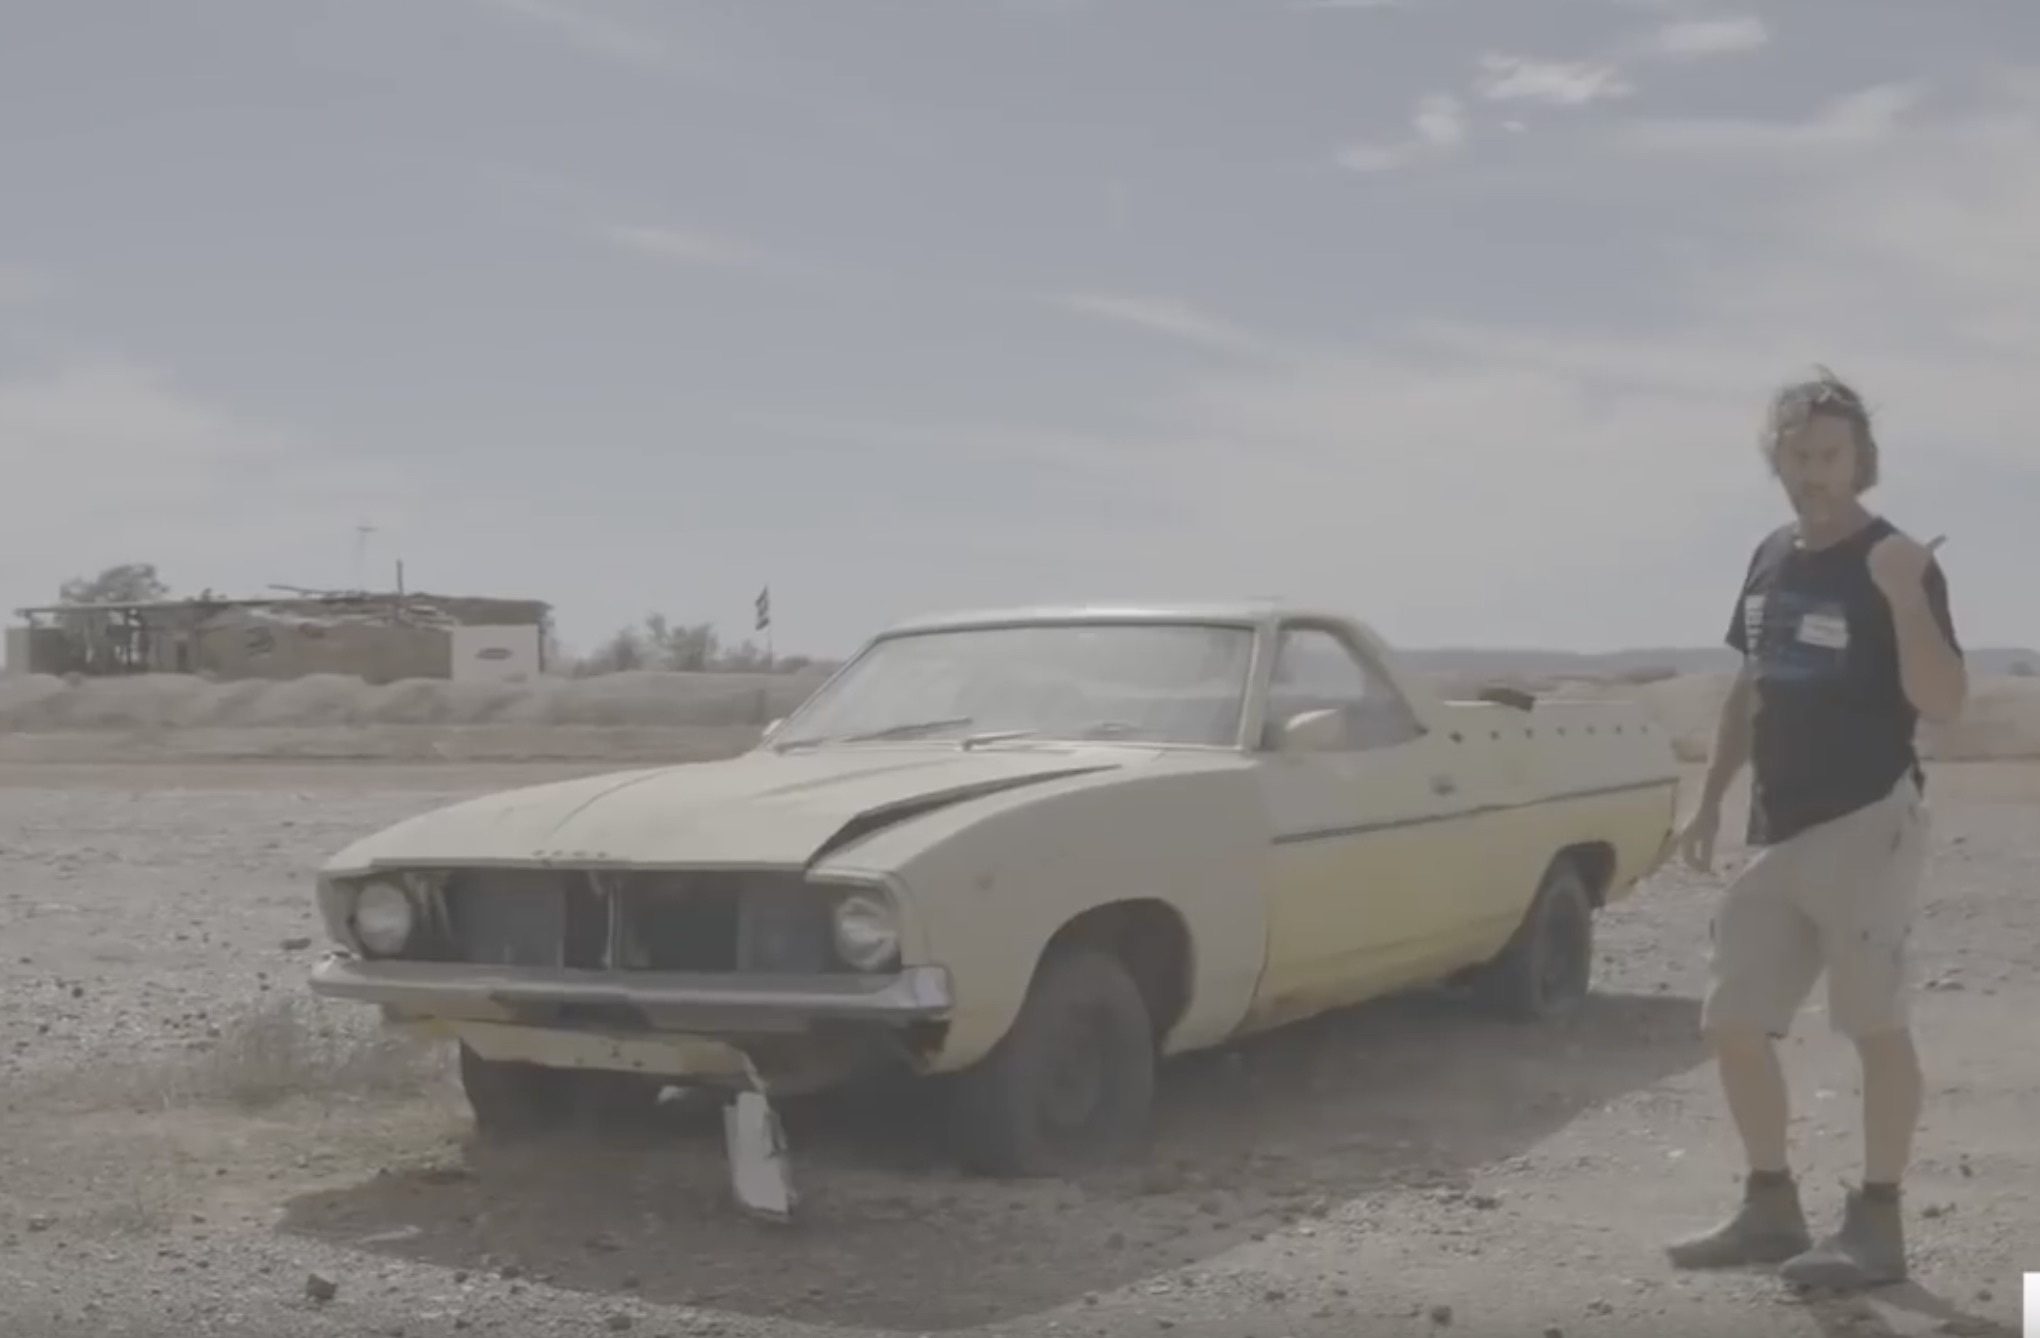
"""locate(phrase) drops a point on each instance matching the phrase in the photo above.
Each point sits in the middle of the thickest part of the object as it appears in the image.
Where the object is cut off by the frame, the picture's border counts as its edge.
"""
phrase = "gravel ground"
(190, 1146)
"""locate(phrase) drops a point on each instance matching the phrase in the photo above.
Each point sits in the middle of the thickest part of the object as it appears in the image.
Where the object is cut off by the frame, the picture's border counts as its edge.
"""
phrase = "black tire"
(1547, 970)
(511, 1099)
(1084, 1024)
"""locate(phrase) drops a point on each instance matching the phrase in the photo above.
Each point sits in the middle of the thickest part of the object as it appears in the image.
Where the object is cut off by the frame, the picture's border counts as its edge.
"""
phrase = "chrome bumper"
(666, 1001)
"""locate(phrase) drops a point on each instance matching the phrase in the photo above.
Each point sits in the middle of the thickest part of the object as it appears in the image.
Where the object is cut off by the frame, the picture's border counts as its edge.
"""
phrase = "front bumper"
(661, 1001)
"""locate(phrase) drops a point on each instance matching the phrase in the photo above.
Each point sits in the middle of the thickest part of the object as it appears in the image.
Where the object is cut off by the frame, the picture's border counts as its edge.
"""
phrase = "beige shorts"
(1838, 897)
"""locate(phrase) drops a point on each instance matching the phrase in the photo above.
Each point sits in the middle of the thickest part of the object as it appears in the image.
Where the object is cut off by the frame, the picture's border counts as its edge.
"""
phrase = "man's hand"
(1929, 663)
(1696, 838)
(1898, 565)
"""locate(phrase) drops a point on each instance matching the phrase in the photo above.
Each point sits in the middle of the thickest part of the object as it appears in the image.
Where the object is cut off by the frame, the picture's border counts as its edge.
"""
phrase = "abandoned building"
(381, 638)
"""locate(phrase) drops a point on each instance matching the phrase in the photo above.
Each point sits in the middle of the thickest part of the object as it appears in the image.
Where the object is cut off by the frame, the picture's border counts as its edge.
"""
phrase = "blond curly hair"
(1825, 395)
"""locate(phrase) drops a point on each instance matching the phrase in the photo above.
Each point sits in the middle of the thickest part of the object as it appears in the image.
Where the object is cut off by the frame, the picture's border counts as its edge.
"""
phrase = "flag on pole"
(764, 606)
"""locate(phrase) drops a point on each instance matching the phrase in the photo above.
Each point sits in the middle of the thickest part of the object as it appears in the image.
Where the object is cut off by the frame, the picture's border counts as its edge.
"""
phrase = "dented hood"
(762, 808)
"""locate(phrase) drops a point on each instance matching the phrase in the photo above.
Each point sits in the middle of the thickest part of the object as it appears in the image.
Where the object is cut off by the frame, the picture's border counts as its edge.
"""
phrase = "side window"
(1315, 670)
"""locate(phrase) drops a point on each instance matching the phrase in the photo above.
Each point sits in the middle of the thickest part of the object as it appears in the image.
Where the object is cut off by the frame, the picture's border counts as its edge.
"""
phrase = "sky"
(1456, 315)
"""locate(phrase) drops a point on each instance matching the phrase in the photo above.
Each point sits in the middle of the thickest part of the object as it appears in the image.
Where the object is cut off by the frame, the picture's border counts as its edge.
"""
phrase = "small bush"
(287, 1047)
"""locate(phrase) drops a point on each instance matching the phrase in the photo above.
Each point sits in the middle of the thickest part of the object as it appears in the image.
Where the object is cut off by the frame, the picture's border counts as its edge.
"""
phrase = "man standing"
(1847, 642)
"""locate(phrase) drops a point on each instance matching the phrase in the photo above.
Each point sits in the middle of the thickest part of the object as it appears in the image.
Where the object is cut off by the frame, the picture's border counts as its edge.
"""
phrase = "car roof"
(1237, 613)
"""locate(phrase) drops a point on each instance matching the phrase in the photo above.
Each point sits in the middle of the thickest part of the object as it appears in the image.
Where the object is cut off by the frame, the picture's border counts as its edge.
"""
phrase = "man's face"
(1817, 465)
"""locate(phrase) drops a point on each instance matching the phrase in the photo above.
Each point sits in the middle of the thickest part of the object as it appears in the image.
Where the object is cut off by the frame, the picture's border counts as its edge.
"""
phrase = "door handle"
(1444, 785)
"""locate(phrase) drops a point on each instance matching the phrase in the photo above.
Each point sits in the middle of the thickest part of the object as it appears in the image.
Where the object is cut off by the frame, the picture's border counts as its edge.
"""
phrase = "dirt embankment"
(635, 717)
(616, 717)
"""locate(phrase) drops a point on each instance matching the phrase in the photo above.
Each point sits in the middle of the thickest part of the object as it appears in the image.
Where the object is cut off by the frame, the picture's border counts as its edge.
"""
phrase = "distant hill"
(1991, 661)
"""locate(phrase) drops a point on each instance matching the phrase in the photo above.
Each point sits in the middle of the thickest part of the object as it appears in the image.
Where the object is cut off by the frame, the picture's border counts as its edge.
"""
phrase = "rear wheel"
(1072, 1084)
(1547, 969)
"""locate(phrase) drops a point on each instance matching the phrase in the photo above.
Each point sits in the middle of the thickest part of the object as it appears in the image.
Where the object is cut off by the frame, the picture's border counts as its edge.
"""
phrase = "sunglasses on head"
(1829, 389)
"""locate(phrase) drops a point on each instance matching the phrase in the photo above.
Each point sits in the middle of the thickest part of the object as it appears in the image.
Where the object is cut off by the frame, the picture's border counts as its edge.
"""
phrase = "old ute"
(1029, 853)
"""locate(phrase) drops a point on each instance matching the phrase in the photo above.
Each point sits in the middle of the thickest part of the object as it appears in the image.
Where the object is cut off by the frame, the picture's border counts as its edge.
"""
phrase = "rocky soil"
(189, 1146)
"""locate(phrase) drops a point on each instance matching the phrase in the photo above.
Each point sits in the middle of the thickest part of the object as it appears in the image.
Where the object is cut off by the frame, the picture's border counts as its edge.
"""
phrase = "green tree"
(95, 646)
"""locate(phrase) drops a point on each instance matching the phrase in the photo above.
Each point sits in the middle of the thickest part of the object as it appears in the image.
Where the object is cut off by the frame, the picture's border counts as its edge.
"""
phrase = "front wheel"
(510, 1099)
(1072, 1084)
(1547, 969)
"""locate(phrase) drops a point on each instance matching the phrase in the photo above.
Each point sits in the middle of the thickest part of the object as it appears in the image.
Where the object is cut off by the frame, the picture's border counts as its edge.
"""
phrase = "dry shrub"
(140, 1206)
(288, 1046)
(127, 1148)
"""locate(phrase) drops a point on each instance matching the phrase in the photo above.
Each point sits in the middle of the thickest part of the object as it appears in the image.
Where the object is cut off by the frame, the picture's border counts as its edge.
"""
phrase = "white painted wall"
(495, 654)
(16, 664)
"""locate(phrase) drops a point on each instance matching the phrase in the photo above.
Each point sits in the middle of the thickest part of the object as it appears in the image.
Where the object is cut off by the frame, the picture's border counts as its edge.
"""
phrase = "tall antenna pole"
(361, 533)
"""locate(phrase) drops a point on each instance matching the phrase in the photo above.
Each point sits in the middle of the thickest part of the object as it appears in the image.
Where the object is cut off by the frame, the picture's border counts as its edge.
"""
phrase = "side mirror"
(1314, 732)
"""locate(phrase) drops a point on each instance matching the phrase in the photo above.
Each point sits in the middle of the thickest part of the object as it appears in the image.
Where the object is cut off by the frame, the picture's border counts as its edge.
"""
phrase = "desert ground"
(190, 1145)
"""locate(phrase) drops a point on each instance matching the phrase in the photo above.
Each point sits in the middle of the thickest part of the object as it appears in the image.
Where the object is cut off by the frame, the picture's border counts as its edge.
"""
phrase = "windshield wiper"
(970, 741)
(1111, 729)
(908, 729)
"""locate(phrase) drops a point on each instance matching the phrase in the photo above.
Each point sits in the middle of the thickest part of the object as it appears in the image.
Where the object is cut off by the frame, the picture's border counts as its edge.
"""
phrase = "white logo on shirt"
(1829, 631)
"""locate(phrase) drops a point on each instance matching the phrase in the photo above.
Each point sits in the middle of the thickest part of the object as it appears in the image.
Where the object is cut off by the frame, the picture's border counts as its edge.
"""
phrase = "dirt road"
(188, 1146)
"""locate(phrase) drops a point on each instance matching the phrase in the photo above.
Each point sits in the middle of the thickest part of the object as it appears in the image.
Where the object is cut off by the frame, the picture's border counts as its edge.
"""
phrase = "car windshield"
(1171, 683)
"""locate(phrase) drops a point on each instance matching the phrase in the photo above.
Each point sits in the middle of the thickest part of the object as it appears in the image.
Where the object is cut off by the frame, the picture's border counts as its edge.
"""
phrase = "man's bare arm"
(1935, 678)
(1731, 740)
(1930, 664)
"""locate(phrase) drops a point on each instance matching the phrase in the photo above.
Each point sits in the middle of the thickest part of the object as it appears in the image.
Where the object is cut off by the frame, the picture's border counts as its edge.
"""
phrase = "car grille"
(711, 921)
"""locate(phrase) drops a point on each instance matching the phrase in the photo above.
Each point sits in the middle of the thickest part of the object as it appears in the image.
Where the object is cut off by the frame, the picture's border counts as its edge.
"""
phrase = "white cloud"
(1561, 465)
(1512, 461)
(1695, 39)
(1438, 126)
(1921, 234)
(1577, 83)
(1169, 317)
(1861, 120)
(1440, 121)
(679, 246)
(582, 24)
(1557, 83)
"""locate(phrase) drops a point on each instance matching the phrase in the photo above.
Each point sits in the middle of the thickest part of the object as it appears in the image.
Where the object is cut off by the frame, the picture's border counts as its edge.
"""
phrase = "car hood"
(761, 808)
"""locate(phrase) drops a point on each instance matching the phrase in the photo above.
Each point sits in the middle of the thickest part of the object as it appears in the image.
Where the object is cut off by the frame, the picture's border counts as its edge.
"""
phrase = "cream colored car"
(1031, 851)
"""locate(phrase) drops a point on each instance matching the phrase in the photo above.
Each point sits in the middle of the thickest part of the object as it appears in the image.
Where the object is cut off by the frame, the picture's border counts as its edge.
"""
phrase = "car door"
(1370, 872)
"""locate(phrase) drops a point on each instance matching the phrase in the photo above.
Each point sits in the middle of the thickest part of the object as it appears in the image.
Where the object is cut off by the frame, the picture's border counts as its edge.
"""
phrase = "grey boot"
(1769, 1228)
(1868, 1251)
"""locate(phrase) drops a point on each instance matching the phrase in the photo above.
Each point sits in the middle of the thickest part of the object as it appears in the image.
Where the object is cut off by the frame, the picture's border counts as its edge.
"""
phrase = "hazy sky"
(1458, 314)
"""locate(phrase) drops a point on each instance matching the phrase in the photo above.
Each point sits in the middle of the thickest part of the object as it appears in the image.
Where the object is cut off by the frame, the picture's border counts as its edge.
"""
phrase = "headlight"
(867, 931)
(384, 916)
